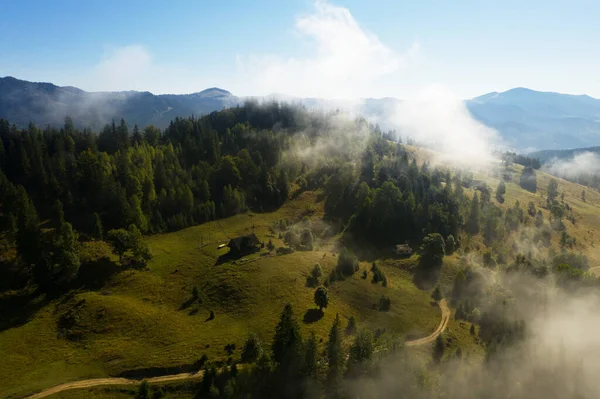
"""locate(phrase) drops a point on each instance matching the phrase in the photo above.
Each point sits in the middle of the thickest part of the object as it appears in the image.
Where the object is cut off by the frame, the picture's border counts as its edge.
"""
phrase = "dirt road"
(431, 337)
(95, 382)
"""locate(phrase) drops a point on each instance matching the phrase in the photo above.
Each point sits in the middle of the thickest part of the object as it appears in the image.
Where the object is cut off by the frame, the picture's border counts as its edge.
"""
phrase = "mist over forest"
(336, 226)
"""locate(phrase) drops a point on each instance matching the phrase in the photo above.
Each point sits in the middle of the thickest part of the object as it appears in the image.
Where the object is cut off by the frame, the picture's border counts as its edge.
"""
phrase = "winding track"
(443, 323)
(95, 382)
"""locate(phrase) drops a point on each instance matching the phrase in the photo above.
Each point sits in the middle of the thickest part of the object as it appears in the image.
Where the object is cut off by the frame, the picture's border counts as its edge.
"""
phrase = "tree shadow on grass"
(426, 278)
(17, 309)
(228, 257)
(187, 303)
(312, 316)
(94, 274)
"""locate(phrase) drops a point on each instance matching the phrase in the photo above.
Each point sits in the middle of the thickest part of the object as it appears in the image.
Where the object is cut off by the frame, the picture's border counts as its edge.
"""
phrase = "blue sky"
(339, 48)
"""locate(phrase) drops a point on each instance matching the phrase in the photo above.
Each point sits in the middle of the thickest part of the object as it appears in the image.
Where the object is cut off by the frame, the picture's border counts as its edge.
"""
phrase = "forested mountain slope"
(110, 258)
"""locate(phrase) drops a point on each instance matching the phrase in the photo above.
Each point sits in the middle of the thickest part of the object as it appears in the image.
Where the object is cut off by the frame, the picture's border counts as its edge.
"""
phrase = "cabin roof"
(243, 241)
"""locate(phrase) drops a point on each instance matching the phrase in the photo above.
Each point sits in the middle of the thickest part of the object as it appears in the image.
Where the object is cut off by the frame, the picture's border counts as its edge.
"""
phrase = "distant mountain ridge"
(540, 120)
(549, 155)
(527, 120)
(22, 102)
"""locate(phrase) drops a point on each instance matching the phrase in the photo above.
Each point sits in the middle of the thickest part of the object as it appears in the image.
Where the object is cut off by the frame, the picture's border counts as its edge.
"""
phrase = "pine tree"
(252, 349)
(59, 212)
(500, 191)
(136, 137)
(287, 339)
(65, 259)
(450, 244)
(335, 352)
(28, 228)
(362, 347)
(144, 391)
(310, 356)
(473, 221)
(97, 230)
(438, 349)
(552, 191)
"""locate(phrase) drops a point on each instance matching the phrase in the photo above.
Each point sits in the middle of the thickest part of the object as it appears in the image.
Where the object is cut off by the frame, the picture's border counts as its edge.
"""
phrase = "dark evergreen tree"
(450, 244)
(335, 354)
(437, 294)
(97, 230)
(321, 298)
(361, 352)
(310, 356)
(438, 349)
(472, 226)
(433, 250)
(252, 349)
(287, 340)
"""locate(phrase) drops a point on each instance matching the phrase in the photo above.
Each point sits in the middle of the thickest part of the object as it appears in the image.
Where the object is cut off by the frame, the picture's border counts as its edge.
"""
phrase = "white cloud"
(134, 67)
(347, 61)
(124, 67)
(580, 164)
(440, 120)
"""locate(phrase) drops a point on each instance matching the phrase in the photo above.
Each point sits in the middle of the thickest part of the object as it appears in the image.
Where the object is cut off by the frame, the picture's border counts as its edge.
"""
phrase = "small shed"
(402, 250)
(243, 245)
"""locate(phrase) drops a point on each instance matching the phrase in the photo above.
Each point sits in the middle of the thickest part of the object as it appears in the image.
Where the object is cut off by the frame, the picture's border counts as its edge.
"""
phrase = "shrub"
(284, 250)
(437, 294)
(252, 349)
(347, 263)
(384, 303)
(291, 238)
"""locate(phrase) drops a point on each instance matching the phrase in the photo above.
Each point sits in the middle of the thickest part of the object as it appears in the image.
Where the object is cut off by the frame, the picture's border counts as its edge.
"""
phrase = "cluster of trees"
(294, 367)
(194, 171)
(390, 199)
(122, 182)
(378, 275)
(510, 157)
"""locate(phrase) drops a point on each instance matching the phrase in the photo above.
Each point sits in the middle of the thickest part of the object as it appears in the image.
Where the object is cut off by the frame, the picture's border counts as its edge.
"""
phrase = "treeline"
(512, 157)
(59, 187)
(194, 171)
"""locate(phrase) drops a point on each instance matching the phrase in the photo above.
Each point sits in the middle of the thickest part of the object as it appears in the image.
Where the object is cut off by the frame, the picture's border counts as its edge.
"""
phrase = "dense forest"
(61, 186)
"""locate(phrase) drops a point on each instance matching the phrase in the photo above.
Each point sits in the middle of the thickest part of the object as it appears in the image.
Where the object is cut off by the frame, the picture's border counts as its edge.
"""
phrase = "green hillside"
(144, 318)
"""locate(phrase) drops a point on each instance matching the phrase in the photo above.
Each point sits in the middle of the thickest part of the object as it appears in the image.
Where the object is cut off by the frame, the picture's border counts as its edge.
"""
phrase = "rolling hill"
(44, 104)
